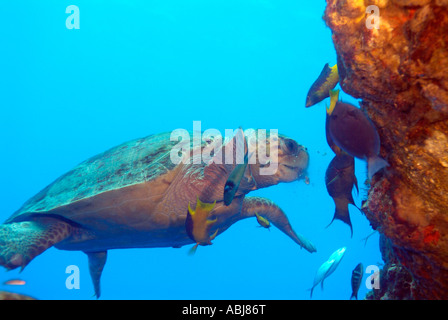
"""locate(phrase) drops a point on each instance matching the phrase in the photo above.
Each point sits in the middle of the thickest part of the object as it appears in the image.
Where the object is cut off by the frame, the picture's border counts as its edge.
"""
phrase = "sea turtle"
(135, 196)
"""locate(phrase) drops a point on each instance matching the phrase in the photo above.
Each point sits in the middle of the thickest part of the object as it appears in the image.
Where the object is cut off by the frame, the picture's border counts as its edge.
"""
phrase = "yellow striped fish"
(327, 80)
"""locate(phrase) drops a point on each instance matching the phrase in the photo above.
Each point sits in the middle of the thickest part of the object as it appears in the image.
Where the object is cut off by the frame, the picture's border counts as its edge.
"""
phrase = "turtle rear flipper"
(20, 242)
(97, 260)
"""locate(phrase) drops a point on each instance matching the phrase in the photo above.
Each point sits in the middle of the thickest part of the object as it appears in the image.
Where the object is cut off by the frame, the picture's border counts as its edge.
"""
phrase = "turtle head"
(278, 159)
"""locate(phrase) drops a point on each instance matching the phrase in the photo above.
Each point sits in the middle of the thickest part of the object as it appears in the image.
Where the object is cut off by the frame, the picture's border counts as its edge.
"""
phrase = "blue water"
(140, 67)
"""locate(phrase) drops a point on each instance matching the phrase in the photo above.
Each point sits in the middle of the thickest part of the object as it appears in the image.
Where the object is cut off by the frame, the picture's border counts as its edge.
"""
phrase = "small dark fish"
(352, 131)
(234, 180)
(339, 180)
(357, 275)
(345, 160)
(326, 81)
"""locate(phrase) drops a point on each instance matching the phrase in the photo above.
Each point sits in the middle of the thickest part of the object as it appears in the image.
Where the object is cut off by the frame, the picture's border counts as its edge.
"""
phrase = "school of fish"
(350, 134)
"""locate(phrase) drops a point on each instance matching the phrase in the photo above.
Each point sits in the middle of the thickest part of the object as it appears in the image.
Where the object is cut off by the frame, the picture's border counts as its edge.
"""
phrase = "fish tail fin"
(311, 292)
(192, 251)
(353, 296)
(341, 213)
(375, 164)
(352, 202)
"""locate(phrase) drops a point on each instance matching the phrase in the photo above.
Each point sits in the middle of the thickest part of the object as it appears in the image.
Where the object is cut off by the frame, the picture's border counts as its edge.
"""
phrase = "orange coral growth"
(401, 74)
(431, 236)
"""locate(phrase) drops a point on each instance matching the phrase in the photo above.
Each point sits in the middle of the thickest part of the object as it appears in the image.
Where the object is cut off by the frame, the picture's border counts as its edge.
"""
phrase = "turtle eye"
(290, 146)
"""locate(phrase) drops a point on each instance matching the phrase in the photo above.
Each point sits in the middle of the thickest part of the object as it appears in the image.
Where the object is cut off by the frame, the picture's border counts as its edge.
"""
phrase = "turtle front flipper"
(97, 260)
(21, 242)
(269, 210)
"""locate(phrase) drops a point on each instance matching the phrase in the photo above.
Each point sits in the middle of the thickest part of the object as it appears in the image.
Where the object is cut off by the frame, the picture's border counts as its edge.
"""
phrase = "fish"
(319, 90)
(357, 275)
(340, 179)
(337, 257)
(197, 224)
(327, 268)
(321, 274)
(234, 180)
(15, 282)
(263, 221)
(352, 131)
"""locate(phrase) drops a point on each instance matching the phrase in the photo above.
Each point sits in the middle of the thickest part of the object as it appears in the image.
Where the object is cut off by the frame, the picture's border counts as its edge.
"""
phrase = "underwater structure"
(398, 65)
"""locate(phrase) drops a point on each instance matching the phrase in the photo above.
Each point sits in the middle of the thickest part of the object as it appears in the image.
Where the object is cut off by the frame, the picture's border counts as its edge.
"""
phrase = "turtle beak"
(298, 163)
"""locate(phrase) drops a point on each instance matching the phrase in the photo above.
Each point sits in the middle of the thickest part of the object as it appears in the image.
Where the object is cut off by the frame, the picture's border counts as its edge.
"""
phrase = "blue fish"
(327, 268)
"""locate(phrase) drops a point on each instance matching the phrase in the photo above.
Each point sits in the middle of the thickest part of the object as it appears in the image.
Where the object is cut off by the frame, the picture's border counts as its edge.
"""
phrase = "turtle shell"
(131, 163)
